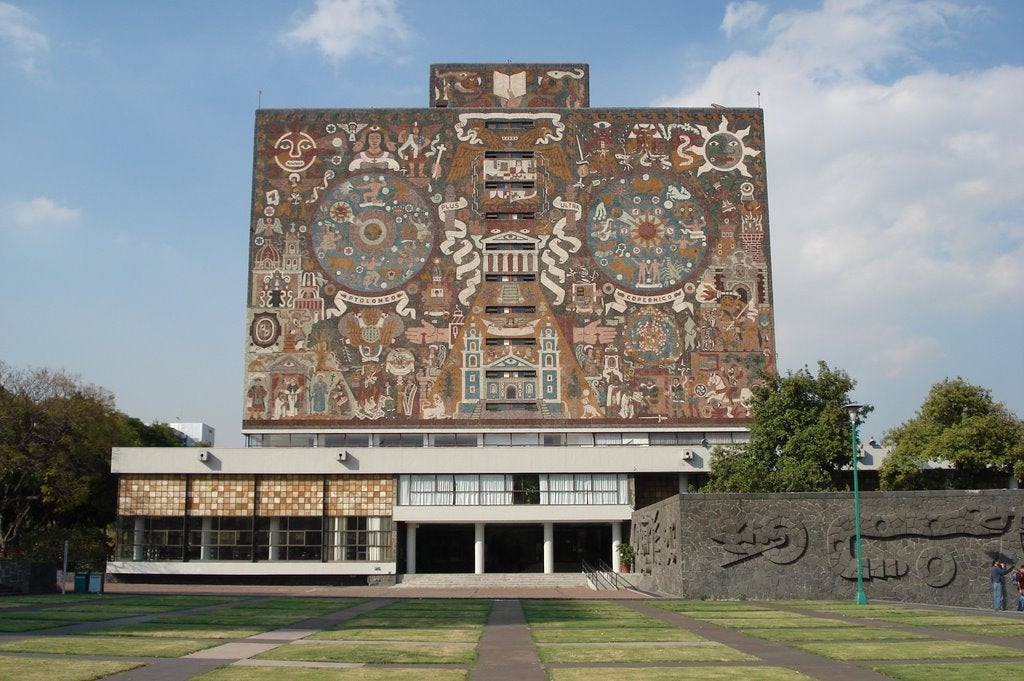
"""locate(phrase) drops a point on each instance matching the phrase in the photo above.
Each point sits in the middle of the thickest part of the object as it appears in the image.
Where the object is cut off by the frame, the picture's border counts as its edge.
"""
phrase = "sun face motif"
(647, 229)
(724, 150)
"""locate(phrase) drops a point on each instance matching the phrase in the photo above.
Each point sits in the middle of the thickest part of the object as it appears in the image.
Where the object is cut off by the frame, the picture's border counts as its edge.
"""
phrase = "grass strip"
(164, 630)
(233, 619)
(912, 650)
(257, 673)
(952, 672)
(307, 607)
(742, 614)
(400, 634)
(112, 646)
(785, 623)
(374, 653)
(713, 606)
(48, 669)
(18, 626)
(696, 652)
(677, 674)
(543, 634)
(796, 635)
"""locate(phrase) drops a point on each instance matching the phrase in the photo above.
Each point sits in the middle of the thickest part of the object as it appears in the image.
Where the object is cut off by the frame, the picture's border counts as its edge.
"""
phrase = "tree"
(56, 434)
(799, 437)
(959, 424)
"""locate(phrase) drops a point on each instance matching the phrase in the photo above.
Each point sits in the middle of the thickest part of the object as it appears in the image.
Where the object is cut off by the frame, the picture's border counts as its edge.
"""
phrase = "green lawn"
(160, 629)
(49, 669)
(544, 634)
(746, 673)
(997, 671)
(375, 653)
(255, 673)
(438, 635)
(106, 646)
(912, 650)
(611, 653)
(307, 606)
(814, 633)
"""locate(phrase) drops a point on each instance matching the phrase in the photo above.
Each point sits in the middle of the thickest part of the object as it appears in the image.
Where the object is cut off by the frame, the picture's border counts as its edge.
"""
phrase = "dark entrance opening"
(575, 544)
(514, 548)
(444, 549)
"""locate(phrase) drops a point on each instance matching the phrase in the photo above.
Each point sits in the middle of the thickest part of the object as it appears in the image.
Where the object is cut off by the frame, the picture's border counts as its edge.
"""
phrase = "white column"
(684, 483)
(478, 548)
(410, 548)
(274, 539)
(549, 548)
(616, 540)
(204, 550)
(139, 539)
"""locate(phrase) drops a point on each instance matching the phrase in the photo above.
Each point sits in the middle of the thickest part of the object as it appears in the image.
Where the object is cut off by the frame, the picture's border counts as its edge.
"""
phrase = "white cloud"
(340, 28)
(896, 359)
(41, 211)
(16, 33)
(894, 188)
(741, 15)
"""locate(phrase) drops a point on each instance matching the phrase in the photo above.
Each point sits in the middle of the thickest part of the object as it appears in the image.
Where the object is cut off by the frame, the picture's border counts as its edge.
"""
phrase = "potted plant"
(627, 554)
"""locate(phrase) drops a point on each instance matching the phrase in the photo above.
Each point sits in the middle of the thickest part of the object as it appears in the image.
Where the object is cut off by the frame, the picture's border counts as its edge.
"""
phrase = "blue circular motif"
(372, 233)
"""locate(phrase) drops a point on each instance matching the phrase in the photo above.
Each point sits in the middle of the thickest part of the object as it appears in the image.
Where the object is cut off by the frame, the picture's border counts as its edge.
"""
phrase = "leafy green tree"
(56, 434)
(799, 437)
(959, 425)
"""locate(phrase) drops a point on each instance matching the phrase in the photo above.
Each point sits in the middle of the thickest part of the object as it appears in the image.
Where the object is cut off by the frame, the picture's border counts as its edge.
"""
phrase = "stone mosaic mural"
(519, 258)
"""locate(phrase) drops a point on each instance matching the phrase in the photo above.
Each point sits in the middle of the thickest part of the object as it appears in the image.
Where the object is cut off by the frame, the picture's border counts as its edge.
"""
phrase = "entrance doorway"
(444, 549)
(514, 548)
(575, 544)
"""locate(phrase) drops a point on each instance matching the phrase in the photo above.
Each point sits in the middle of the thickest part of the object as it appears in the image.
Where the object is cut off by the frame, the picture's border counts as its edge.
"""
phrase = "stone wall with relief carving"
(922, 547)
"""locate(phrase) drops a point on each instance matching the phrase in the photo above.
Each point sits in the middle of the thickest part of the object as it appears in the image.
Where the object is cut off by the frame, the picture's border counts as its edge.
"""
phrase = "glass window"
(150, 538)
(346, 440)
(220, 538)
(607, 439)
(455, 439)
(526, 488)
(361, 538)
(289, 538)
(400, 440)
(431, 490)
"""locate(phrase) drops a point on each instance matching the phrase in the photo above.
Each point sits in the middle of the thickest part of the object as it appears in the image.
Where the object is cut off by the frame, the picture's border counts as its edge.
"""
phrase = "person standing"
(996, 572)
(1018, 578)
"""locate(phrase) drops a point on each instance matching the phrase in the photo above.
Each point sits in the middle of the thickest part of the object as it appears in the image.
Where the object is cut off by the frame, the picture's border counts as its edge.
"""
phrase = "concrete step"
(493, 580)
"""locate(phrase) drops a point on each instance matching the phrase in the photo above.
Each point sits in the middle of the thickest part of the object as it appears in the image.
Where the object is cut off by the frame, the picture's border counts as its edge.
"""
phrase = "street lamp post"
(856, 412)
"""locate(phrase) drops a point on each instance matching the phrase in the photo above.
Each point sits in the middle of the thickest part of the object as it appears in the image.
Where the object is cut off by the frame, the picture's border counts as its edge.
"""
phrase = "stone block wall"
(921, 547)
(25, 576)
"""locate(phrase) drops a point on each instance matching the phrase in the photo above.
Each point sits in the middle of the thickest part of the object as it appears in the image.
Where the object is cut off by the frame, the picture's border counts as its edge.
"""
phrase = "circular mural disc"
(647, 232)
(372, 233)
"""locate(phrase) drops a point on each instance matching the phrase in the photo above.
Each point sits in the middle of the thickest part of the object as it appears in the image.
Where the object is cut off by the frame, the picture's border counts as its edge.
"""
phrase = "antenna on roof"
(259, 99)
(758, 99)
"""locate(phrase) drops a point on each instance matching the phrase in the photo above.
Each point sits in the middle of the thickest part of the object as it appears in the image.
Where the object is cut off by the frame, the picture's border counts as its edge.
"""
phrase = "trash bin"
(95, 582)
(81, 582)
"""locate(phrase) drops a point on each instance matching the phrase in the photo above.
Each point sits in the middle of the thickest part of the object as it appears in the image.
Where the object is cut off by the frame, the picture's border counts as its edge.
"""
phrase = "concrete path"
(506, 651)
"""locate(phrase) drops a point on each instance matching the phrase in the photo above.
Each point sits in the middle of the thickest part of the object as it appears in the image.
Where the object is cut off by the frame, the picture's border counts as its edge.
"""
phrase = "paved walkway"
(506, 651)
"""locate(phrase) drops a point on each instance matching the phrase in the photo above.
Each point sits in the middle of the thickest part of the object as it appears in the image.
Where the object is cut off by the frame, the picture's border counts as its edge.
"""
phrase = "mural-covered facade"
(478, 336)
(507, 257)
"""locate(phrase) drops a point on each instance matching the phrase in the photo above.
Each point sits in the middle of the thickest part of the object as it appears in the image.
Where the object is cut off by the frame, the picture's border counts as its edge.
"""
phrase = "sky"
(893, 149)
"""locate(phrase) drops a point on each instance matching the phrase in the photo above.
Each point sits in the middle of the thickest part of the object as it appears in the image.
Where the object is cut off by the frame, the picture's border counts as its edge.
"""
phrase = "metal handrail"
(601, 573)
